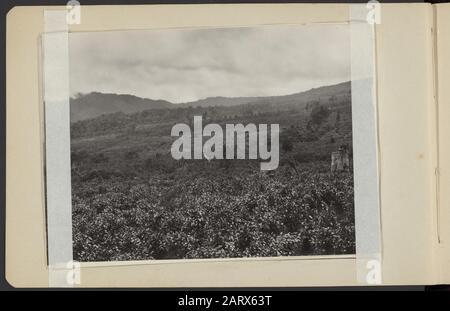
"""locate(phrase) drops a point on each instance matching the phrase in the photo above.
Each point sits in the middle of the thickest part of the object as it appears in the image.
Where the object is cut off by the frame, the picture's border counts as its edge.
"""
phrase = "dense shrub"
(230, 215)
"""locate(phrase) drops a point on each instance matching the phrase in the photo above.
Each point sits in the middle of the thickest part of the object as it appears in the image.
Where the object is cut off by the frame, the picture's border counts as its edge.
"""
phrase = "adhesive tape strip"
(365, 143)
(55, 52)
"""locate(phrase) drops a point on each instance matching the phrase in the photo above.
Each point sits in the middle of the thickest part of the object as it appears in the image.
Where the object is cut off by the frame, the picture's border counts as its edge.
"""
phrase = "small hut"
(340, 160)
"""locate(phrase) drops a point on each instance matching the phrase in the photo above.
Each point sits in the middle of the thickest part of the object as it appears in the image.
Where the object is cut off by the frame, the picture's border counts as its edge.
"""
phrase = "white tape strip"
(55, 48)
(365, 143)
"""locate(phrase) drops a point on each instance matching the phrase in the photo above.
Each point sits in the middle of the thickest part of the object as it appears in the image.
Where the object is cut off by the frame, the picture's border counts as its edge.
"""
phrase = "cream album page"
(443, 100)
(231, 145)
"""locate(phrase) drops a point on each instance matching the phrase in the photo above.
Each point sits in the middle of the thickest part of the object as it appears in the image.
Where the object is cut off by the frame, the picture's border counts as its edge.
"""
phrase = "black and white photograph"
(211, 143)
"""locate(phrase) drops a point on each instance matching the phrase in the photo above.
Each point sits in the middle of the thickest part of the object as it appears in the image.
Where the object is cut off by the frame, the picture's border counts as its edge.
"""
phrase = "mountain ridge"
(94, 104)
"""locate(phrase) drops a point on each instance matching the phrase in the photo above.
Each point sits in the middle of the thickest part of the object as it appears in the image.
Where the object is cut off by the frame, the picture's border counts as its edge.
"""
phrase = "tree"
(333, 99)
(287, 145)
(319, 114)
(338, 118)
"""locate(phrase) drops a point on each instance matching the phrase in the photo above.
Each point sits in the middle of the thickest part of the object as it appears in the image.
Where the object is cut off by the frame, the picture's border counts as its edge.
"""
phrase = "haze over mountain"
(92, 105)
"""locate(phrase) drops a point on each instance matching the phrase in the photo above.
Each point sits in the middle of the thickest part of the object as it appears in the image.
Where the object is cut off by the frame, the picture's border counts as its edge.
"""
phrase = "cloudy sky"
(186, 65)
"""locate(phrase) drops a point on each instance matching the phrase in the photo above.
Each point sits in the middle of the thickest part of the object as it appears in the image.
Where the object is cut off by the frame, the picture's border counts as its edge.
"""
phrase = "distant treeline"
(118, 122)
